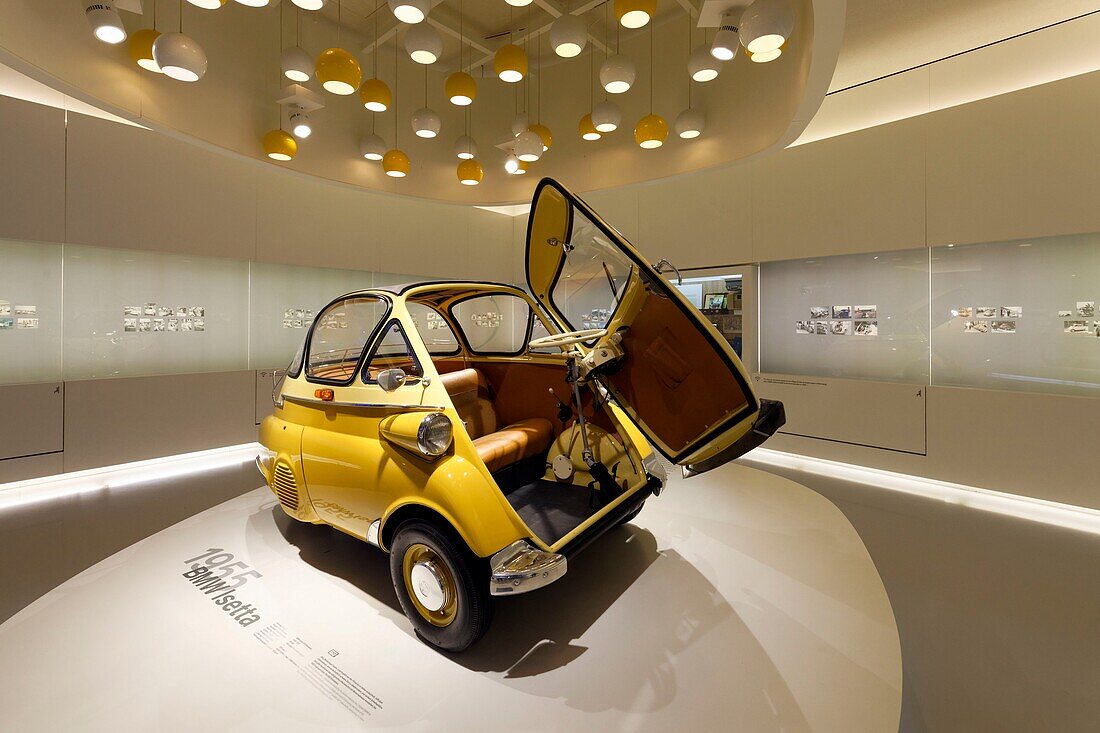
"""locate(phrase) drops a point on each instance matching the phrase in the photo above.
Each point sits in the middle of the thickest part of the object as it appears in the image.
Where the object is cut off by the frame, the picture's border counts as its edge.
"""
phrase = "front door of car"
(678, 379)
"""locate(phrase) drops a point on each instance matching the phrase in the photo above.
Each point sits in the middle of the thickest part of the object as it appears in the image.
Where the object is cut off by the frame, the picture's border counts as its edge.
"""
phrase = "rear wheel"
(440, 586)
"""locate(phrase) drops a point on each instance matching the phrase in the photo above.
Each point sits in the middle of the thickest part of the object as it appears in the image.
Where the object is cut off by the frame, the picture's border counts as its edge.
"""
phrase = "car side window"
(392, 351)
(339, 336)
(434, 331)
(493, 324)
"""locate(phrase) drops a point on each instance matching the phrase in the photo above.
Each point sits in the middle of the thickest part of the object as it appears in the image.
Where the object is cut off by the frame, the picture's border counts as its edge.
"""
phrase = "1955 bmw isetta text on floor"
(483, 436)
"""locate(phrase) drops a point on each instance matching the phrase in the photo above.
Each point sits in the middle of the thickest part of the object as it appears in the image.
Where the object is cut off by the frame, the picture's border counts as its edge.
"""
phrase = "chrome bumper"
(521, 567)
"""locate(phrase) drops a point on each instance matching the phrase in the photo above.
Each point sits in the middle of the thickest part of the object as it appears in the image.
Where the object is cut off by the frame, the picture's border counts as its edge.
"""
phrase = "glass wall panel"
(1018, 315)
(130, 313)
(284, 299)
(30, 312)
(851, 316)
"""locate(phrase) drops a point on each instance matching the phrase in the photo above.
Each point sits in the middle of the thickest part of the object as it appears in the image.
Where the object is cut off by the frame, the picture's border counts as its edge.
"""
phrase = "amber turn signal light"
(325, 395)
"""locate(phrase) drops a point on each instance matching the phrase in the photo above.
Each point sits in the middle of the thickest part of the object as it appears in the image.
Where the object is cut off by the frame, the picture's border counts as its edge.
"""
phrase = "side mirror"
(391, 379)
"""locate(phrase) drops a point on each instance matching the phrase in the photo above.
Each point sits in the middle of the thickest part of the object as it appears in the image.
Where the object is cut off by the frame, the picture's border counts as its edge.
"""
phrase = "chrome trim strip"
(373, 405)
(372, 532)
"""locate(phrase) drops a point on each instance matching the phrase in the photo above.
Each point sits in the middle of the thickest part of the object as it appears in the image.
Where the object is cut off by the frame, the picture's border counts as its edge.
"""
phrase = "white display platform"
(737, 601)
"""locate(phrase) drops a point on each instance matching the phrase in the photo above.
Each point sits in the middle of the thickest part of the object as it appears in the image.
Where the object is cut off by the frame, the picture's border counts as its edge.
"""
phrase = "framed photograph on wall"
(715, 301)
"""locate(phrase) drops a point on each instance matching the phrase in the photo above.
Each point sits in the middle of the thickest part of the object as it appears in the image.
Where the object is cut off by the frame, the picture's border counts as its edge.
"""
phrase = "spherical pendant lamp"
(528, 147)
(519, 3)
(426, 123)
(423, 44)
(470, 173)
(105, 21)
(338, 71)
(460, 88)
(208, 4)
(634, 13)
(607, 116)
(510, 63)
(297, 64)
(568, 36)
(544, 134)
(375, 95)
(255, 3)
(465, 148)
(617, 74)
(279, 145)
(587, 129)
(702, 66)
(310, 4)
(410, 11)
(179, 57)
(690, 123)
(141, 49)
(372, 147)
(765, 25)
(520, 124)
(764, 57)
(395, 163)
(726, 41)
(651, 131)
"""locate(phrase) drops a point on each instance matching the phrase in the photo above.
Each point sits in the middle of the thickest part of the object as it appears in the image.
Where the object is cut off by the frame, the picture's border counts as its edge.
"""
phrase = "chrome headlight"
(433, 438)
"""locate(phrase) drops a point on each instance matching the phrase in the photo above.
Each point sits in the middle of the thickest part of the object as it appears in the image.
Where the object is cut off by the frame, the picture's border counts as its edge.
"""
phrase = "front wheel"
(439, 587)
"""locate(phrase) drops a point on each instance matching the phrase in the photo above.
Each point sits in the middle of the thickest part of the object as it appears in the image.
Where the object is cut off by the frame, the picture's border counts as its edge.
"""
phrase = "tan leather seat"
(472, 399)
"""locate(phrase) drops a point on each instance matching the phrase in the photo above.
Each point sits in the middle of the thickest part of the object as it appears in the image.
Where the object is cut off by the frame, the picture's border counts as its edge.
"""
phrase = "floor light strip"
(108, 478)
(1066, 516)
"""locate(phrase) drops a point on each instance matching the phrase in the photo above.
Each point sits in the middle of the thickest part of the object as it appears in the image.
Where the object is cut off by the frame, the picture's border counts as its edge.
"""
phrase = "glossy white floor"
(738, 600)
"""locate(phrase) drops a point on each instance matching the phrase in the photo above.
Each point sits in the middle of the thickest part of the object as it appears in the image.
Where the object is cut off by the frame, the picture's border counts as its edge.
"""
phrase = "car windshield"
(339, 335)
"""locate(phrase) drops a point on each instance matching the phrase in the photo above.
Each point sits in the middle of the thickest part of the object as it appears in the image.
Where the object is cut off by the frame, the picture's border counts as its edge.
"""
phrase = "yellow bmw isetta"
(483, 435)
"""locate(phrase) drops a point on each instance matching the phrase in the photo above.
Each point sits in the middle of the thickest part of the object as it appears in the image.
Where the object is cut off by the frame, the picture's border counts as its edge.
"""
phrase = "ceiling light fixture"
(255, 3)
(617, 74)
(375, 95)
(423, 43)
(511, 165)
(395, 163)
(568, 36)
(141, 49)
(702, 66)
(765, 26)
(310, 4)
(410, 11)
(465, 148)
(544, 134)
(510, 63)
(338, 71)
(763, 57)
(460, 88)
(426, 123)
(520, 124)
(634, 13)
(208, 4)
(105, 22)
(588, 129)
(299, 124)
(726, 41)
(297, 64)
(179, 57)
(278, 145)
(689, 123)
(652, 130)
(529, 147)
(470, 173)
(607, 116)
(518, 3)
(372, 147)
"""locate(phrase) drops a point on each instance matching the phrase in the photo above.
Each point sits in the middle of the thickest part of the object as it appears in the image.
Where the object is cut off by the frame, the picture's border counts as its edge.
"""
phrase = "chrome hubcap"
(429, 585)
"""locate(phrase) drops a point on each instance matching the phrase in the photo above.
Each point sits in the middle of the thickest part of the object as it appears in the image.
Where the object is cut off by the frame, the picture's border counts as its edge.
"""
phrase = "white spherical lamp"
(410, 11)
(528, 147)
(568, 36)
(607, 116)
(180, 57)
(702, 66)
(765, 25)
(372, 147)
(617, 74)
(689, 123)
(423, 43)
(297, 64)
(426, 123)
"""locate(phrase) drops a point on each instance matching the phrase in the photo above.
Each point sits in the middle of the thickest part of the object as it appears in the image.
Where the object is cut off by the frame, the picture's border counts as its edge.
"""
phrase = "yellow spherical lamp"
(587, 129)
(634, 13)
(510, 63)
(460, 88)
(141, 49)
(470, 172)
(375, 95)
(338, 71)
(279, 145)
(651, 131)
(544, 133)
(395, 163)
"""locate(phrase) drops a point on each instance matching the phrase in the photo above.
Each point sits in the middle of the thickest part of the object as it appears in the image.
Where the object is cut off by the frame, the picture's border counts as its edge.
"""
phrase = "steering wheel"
(561, 340)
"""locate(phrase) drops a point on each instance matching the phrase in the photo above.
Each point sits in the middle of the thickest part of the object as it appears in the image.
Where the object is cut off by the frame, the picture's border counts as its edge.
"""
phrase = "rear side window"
(493, 324)
(433, 329)
(339, 336)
